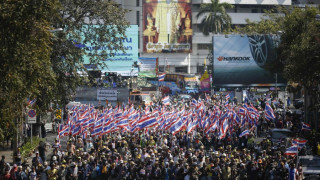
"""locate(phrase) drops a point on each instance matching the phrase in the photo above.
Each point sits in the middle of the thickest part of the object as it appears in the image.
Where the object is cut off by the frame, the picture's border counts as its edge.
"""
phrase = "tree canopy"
(40, 64)
(298, 52)
(216, 19)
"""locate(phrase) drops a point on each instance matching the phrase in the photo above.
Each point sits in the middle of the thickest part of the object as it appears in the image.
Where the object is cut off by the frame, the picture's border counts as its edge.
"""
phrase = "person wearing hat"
(72, 172)
(37, 159)
(62, 172)
(151, 141)
(53, 172)
(17, 157)
(20, 174)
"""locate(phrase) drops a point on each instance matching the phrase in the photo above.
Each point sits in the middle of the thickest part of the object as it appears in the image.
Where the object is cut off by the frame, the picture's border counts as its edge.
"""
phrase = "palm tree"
(216, 20)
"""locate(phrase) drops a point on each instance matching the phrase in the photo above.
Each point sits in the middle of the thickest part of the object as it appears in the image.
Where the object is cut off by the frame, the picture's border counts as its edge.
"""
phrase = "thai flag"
(227, 97)
(306, 127)
(123, 123)
(245, 133)
(224, 128)
(88, 123)
(84, 135)
(269, 112)
(100, 120)
(299, 143)
(161, 76)
(191, 127)
(64, 131)
(293, 150)
(31, 102)
(97, 131)
(147, 122)
(194, 102)
(241, 111)
(76, 131)
(166, 101)
(236, 118)
(176, 127)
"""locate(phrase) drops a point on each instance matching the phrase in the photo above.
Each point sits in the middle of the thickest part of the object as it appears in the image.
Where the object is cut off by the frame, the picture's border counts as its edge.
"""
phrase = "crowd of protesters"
(158, 154)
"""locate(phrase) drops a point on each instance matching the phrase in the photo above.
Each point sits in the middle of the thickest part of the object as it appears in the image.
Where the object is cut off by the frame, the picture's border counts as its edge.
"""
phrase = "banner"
(107, 94)
(167, 26)
(245, 60)
(148, 67)
(119, 61)
(205, 82)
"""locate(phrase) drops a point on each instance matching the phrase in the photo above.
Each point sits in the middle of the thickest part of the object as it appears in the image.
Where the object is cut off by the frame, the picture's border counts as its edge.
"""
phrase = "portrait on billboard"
(167, 26)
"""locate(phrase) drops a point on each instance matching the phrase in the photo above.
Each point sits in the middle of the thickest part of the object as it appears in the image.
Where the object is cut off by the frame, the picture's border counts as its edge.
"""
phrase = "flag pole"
(157, 72)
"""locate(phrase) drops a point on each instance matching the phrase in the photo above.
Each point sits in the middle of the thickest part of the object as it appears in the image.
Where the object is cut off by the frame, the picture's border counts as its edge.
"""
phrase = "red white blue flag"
(293, 150)
(306, 127)
(245, 133)
(161, 76)
(166, 101)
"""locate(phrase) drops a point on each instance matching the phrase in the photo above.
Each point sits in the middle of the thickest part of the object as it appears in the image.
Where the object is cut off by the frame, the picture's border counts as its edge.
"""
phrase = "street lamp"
(56, 30)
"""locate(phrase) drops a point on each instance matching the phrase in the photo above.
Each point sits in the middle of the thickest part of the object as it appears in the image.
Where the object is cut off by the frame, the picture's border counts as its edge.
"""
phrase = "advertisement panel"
(120, 62)
(107, 94)
(245, 60)
(167, 26)
(148, 67)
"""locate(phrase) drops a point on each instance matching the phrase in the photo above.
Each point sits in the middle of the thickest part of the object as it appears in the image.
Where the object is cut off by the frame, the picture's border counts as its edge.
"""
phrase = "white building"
(192, 62)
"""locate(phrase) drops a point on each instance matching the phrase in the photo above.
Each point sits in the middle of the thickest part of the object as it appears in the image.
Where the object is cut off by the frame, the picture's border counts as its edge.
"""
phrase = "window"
(204, 46)
(182, 69)
(138, 17)
(254, 10)
(161, 68)
(138, 3)
(200, 69)
(139, 40)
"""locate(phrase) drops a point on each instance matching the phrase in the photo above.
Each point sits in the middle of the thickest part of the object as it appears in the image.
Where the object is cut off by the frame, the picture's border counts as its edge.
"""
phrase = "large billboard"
(167, 26)
(148, 67)
(245, 60)
(120, 62)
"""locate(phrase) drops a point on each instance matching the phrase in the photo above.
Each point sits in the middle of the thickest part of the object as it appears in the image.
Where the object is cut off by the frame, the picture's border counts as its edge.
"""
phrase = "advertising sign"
(148, 67)
(167, 26)
(107, 94)
(245, 60)
(119, 61)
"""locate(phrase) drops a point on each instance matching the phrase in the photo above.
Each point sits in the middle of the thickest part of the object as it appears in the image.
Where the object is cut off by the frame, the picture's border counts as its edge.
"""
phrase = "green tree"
(216, 19)
(43, 65)
(100, 23)
(271, 22)
(298, 51)
(25, 49)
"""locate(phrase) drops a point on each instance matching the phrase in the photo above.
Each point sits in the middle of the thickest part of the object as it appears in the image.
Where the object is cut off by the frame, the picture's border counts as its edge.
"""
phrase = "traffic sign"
(58, 114)
(32, 116)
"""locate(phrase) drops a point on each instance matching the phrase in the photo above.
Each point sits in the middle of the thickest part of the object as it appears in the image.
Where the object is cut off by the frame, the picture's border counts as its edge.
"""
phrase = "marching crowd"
(160, 154)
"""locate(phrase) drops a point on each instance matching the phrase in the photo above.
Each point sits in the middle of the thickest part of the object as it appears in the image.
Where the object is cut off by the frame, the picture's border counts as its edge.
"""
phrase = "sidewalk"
(8, 152)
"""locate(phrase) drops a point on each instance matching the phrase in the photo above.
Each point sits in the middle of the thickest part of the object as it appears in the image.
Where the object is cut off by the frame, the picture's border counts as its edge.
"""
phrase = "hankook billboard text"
(245, 60)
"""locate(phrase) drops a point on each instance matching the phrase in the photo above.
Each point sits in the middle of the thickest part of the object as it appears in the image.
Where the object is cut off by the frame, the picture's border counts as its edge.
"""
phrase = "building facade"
(192, 61)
